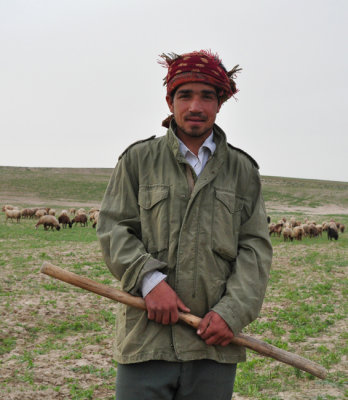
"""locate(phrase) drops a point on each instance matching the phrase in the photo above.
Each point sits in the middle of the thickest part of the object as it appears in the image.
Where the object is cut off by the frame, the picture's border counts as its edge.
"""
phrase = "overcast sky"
(79, 79)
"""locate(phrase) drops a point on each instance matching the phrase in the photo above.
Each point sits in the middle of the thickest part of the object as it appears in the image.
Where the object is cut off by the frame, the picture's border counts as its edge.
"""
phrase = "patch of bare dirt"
(321, 210)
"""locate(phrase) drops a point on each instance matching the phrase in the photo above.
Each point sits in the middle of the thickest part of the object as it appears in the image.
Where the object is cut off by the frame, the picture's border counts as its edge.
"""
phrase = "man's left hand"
(214, 330)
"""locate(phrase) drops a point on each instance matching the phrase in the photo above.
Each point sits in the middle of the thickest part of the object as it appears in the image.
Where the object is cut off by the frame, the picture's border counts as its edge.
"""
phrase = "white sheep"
(298, 232)
(48, 221)
(40, 213)
(288, 234)
(13, 214)
(96, 217)
(81, 211)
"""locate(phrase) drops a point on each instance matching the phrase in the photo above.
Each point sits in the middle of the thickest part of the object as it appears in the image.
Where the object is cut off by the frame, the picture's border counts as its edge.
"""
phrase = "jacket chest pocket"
(226, 223)
(154, 208)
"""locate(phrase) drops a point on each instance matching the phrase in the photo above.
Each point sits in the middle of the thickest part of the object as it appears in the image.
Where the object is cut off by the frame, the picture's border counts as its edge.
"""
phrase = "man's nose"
(196, 105)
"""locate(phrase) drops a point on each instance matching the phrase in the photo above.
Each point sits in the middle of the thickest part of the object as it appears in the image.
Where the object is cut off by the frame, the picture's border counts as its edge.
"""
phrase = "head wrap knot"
(198, 66)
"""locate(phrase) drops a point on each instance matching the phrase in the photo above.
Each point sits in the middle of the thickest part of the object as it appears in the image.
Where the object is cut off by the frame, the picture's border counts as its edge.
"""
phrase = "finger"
(165, 318)
(213, 340)
(209, 333)
(150, 314)
(203, 325)
(158, 317)
(174, 316)
(182, 307)
(225, 342)
(210, 329)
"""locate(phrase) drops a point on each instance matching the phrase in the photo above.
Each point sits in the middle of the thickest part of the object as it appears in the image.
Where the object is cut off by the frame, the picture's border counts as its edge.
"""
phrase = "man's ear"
(170, 103)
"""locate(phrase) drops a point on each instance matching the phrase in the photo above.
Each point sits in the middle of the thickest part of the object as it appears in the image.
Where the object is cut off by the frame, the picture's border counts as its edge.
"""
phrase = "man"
(183, 224)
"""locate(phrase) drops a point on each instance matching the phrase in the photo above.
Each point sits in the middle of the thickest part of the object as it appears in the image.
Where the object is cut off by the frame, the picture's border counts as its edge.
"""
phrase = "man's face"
(194, 106)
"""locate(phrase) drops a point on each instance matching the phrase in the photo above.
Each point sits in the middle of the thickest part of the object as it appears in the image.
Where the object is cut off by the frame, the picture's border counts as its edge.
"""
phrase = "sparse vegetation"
(56, 340)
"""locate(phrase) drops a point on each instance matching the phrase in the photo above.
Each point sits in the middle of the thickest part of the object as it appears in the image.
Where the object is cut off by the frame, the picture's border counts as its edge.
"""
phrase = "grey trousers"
(162, 380)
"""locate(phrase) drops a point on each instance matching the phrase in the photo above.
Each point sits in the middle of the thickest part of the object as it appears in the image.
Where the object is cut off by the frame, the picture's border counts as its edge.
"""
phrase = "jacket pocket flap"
(228, 199)
(151, 195)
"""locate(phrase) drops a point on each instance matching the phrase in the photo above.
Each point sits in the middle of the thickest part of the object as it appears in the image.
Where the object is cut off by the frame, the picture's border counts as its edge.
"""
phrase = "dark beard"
(195, 134)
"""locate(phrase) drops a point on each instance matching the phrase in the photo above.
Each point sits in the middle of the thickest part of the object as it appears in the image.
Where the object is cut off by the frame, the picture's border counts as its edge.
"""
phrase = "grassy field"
(56, 341)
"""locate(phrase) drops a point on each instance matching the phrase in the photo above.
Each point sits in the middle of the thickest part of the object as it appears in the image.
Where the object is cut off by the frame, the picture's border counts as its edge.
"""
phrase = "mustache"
(197, 115)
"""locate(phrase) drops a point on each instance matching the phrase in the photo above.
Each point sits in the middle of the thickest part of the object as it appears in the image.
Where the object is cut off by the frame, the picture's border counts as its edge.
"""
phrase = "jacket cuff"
(151, 280)
(229, 316)
(132, 279)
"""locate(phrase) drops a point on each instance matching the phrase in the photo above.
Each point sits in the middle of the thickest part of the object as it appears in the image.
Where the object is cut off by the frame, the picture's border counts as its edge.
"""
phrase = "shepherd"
(183, 225)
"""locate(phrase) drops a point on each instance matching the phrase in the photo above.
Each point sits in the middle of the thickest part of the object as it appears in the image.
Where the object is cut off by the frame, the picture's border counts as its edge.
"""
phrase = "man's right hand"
(163, 304)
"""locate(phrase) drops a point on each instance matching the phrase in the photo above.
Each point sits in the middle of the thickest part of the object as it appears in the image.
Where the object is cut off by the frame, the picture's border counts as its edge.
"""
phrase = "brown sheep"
(313, 231)
(31, 212)
(81, 218)
(64, 220)
(277, 229)
(48, 221)
(25, 212)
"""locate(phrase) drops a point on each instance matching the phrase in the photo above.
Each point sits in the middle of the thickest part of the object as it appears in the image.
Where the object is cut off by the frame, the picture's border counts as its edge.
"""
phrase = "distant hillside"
(86, 186)
(303, 194)
(24, 185)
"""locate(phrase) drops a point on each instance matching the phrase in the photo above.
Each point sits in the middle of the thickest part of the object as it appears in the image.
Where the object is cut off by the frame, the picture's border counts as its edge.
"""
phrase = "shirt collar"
(208, 144)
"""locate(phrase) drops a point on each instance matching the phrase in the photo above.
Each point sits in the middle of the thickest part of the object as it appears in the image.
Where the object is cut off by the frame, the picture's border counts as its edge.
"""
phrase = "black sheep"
(332, 234)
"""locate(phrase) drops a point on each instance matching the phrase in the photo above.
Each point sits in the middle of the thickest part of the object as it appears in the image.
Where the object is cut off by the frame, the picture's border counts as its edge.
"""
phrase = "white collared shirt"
(198, 162)
(153, 278)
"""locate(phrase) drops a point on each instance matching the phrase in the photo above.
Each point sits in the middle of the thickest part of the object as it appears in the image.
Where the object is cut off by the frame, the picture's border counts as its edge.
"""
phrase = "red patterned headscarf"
(198, 66)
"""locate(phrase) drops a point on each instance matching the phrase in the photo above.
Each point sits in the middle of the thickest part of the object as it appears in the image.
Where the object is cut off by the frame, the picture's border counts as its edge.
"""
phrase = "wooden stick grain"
(241, 339)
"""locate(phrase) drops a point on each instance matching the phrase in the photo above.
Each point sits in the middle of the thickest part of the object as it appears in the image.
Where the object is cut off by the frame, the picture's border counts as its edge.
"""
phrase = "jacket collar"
(219, 139)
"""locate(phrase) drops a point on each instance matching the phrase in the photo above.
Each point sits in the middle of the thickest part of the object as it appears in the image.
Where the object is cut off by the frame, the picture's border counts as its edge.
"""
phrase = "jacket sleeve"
(119, 230)
(246, 286)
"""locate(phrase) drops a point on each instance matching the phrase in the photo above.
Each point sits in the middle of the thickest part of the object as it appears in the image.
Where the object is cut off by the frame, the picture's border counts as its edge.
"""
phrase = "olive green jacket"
(213, 244)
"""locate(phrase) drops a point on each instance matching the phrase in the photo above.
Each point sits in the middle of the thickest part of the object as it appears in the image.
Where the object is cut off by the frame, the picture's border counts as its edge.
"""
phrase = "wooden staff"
(241, 339)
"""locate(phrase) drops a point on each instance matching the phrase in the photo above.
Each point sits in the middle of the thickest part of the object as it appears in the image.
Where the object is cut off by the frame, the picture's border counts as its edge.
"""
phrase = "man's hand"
(163, 304)
(214, 330)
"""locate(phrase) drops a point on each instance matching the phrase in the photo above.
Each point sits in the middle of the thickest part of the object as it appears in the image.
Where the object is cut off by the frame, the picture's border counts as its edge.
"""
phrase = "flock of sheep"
(290, 229)
(294, 229)
(47, 216)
